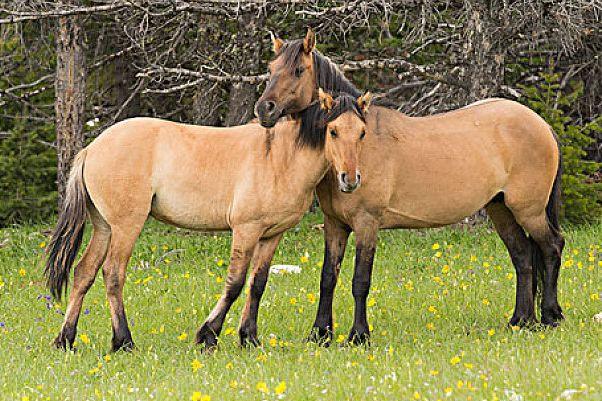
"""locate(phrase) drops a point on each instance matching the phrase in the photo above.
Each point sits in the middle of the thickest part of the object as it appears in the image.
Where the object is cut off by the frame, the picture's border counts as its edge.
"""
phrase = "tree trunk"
(206, 104)
(485, 54)
(247, 56)
(70, 87)
(125, 79)
(241, 103)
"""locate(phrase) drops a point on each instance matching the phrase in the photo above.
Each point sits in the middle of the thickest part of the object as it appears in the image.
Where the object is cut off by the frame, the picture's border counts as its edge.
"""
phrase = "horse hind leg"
(83, 277)
(520, 250)
(123, 238)
(549, 244)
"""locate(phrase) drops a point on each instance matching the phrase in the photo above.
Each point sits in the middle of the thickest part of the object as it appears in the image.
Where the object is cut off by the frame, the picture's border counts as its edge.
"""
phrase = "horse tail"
(554, 202)
(553, 217)
(69, 231)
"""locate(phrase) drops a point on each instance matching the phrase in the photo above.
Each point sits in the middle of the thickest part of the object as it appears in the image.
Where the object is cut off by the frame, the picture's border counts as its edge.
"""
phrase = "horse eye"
(299, 71)
(333, 133)
(363, 134)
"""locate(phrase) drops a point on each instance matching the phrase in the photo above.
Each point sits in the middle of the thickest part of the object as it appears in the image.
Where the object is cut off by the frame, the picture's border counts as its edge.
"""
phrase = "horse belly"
(439, 200)
(193, 210)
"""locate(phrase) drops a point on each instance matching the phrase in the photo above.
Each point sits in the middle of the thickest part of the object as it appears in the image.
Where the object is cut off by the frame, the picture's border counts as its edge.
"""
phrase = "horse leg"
(262, 257)
(365, 237)
(83, 278)
(551, 244)
(519, 248)
(335, 241)
(243, 244)
(123, 238)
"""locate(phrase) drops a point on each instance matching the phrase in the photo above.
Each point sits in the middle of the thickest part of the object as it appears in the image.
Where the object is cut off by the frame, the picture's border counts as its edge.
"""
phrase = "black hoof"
(248, 337)
(207, 338)
(359, 337)
(321, 336)
(123, 344)
(523, 321)
(551, 316)
(65, 339)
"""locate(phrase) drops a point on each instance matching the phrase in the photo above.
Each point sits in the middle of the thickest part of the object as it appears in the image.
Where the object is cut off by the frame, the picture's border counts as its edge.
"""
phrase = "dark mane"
(312, 132)
(328, 76)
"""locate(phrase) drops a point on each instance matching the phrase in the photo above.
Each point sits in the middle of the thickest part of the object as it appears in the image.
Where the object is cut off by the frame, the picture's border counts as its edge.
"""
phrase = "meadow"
(439, 308)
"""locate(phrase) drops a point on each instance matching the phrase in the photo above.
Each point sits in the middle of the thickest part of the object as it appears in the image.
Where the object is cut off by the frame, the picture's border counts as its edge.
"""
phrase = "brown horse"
(430, 172)
(256, 182)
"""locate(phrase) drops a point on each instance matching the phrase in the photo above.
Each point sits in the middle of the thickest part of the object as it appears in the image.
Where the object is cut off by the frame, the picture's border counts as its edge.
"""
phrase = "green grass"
(436, 335)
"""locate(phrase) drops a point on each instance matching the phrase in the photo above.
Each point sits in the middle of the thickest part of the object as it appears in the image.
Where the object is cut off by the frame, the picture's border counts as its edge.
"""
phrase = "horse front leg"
(262, 257)
(366, 237)
(244, 240)
(335, 241)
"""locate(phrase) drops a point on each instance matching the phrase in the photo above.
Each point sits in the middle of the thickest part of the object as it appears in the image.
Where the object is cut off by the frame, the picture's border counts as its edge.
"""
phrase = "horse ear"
(309, 43)
(277, 43)
(364, 101)
(325, 100)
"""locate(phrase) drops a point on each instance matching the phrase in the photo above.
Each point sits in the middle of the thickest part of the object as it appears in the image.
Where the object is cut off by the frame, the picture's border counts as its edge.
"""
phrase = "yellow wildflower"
(436, 246)
(262, 387)
(85, 339)
(196, 365)
(280, 388)
(182, 336)
(198, 396)
(455, 360)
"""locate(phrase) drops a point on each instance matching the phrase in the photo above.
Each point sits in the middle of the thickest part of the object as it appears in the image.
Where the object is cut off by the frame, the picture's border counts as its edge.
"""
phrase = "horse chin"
(268, 123)
(347, 189)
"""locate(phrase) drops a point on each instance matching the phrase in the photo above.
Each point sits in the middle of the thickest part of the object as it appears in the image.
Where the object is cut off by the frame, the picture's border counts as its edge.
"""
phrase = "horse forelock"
(312, 132)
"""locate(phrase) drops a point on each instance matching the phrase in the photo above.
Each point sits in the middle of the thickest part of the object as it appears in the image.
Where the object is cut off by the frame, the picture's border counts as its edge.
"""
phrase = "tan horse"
(430, 172)
(256, 182)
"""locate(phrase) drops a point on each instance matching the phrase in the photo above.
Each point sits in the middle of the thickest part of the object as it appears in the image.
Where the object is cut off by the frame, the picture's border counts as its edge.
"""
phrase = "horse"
(422, 172)
(255, 182)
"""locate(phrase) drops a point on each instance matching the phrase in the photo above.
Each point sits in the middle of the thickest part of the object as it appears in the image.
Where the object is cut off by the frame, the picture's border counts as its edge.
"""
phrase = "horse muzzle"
(348, 186)
(268, 113)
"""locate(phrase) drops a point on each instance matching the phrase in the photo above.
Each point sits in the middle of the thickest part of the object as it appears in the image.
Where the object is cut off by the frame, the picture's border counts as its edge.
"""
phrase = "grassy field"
(439, 306)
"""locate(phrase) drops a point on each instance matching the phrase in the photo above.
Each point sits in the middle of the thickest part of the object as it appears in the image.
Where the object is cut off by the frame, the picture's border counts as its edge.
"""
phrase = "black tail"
(69, 231)
(553, 215)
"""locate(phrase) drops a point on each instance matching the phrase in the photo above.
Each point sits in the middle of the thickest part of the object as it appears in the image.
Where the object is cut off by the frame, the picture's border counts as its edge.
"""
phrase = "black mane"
(328, 76)
(314, 119)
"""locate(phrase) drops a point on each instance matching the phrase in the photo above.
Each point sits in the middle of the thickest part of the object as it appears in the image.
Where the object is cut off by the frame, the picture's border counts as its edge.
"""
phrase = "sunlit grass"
(439, 306)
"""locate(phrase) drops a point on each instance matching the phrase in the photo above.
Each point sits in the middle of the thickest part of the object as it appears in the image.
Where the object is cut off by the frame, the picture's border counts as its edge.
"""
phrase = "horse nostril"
(358, 177)
(270, 106)
(344, 177)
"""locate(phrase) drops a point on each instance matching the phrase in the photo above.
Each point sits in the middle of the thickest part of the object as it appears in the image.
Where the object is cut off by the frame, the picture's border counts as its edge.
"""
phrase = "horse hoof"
(207, 338)
(358, 337)
(248, 338)
(321, 336)
(522, 321)
(125, 345)
(552, 316)
(65, 339)
(60, 342)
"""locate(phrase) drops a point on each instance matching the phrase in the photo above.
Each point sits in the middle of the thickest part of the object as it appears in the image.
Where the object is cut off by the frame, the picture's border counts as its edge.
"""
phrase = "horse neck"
(294, 165)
